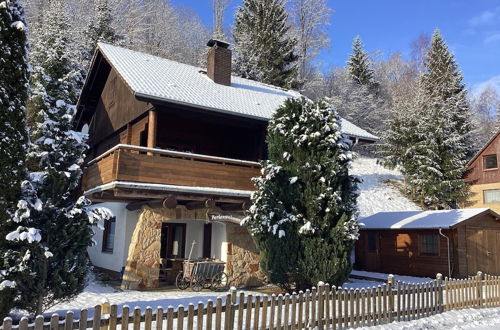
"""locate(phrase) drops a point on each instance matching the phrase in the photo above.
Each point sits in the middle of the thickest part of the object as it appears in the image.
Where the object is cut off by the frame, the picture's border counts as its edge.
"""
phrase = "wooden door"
(483, 251)
(372, 249)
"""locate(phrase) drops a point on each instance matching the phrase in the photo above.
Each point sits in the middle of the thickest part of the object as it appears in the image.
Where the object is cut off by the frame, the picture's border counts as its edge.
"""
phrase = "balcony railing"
(148, 165)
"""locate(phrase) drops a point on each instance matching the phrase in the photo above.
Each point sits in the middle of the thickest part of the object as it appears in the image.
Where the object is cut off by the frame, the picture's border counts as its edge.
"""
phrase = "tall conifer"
(264, 47)
(13, 136)
(359, 64)
(303, 212)
(50, 218)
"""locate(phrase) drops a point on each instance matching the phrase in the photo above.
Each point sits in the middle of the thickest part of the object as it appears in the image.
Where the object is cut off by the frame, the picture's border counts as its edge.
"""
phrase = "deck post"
(152, 129)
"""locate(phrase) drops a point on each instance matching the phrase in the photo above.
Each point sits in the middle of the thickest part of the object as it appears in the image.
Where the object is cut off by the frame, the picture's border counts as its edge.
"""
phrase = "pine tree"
(50, 217)
(303, 213)
(13, 135)
(400, 138)
(446, 128)
(264, 48)
(359, 64)
(100, 29)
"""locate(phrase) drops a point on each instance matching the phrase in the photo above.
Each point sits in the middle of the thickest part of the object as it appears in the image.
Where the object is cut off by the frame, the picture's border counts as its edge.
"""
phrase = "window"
(403, 242)
(108, 239)
(490, 162)
(372, 242)
(429, 244)
(491, 196)
(173, 240)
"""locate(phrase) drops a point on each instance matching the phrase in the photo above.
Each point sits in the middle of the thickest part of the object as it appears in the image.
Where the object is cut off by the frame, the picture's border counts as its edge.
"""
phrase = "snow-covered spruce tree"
(303, 213)
(359, 64)
(400, 139)
(50, 217)
(13, 135)
(445, 128)
(264, 48)
(100, 29)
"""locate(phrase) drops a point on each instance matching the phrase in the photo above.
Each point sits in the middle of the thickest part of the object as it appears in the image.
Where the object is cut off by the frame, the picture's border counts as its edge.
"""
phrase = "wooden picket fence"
(324, 307)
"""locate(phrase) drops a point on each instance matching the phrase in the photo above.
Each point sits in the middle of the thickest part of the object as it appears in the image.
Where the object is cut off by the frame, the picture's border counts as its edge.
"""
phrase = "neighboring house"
(483, 175)
(422, 243)
(173, 151)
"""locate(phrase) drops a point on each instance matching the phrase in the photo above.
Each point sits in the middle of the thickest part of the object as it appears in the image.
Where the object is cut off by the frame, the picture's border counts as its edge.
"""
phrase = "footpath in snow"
(375, 194)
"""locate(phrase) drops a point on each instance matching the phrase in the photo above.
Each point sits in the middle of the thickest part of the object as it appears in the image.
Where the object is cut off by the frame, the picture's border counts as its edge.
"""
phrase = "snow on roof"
(158, 78)
(171, 188)
(421, 219)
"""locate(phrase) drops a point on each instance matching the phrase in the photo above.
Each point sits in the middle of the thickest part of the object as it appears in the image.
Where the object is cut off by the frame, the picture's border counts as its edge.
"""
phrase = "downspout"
(448, 246)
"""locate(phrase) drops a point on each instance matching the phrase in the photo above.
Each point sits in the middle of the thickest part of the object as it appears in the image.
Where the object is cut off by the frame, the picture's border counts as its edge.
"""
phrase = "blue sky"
(470, 27)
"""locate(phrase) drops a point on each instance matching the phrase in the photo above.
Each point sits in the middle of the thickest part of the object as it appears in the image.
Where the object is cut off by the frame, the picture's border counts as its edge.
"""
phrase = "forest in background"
(176, 32)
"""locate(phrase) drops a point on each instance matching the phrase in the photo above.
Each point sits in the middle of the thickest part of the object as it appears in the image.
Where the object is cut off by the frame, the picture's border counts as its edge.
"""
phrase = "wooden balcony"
(126, 163)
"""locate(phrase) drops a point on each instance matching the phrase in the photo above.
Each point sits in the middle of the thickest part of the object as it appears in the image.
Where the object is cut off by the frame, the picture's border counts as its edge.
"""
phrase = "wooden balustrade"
(150, 165)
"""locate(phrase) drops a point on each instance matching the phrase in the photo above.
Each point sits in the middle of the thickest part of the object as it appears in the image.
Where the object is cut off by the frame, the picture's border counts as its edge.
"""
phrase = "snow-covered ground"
(478, 319)
(375, 194)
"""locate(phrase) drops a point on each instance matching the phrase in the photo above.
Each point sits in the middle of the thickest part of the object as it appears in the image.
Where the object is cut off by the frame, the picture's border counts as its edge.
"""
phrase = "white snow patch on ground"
(96, 293)
(479, 319)
(382, 276)
(376, 195)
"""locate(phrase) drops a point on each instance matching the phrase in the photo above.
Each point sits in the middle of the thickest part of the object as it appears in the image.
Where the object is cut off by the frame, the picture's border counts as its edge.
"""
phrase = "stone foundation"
(242, 257)
(143, 262)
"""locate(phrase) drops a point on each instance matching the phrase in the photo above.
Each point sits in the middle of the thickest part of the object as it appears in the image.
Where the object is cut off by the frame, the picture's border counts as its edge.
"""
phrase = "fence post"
(479, 281)
(440, 303)
(321, 297)
(390, 282)
(233, 307)
(105, 310)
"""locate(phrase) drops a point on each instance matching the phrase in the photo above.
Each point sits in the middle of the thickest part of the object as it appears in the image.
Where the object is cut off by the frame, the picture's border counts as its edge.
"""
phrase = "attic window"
(490, 162)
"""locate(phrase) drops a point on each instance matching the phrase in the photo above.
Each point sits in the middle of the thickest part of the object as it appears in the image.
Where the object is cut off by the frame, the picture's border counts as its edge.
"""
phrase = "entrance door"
(372, 251)
(483, 251)
(173, 240)
(207, 240)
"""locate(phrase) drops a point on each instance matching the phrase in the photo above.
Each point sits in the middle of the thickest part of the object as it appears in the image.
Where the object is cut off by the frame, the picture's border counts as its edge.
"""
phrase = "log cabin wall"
(483, 179)
(116, 108)
(474, 246)
(398, 252)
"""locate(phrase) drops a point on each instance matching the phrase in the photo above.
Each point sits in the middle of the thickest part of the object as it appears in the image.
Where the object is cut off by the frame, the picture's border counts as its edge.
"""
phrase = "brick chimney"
(219, 62)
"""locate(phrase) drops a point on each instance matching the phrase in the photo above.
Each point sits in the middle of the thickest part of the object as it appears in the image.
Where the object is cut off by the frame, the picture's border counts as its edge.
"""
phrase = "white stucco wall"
(219, 242)
(125, 223)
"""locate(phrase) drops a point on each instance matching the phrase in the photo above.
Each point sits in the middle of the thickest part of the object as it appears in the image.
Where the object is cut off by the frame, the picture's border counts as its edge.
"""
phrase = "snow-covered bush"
(303, 213)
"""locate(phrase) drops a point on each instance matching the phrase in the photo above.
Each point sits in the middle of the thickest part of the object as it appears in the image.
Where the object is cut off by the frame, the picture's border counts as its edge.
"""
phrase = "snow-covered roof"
(421, 219)
(161, 79)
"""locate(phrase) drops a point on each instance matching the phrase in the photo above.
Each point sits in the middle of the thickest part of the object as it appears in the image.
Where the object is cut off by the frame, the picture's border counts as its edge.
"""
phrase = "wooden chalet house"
(483, 175)
(173, 151)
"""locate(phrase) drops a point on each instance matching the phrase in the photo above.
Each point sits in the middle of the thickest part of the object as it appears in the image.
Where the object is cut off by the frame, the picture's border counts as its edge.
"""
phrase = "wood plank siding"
(474, 246)
(128, 163)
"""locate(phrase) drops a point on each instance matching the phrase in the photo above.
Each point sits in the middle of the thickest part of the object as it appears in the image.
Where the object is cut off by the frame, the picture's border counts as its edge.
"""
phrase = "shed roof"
(422, 219)
(160, 79)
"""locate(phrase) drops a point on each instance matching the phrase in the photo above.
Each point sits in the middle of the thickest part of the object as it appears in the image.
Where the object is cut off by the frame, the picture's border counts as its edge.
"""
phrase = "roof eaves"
(146, 96)
(483, 148)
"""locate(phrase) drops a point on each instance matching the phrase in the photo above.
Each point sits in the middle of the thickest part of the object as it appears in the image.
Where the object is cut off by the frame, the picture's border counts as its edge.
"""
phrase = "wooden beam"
(194, 205)
(231, 207)
(170, 202)
(152, 128)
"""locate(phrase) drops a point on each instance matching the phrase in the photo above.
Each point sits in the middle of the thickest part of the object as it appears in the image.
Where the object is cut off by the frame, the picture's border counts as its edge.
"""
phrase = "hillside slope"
(376, 195)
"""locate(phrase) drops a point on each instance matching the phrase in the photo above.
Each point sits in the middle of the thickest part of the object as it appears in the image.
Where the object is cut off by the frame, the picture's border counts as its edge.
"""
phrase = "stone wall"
(242, 257)
(143, 262)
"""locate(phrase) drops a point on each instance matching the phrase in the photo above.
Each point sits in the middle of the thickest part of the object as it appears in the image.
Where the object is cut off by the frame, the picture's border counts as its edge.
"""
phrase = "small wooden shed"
(423, 243)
